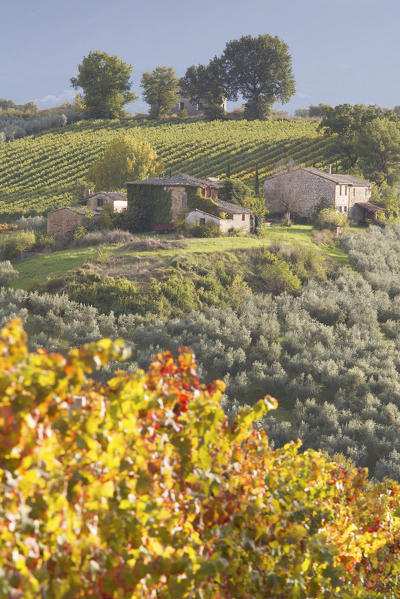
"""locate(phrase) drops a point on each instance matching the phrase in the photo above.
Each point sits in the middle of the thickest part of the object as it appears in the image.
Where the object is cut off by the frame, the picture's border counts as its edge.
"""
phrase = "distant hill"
(38, 173)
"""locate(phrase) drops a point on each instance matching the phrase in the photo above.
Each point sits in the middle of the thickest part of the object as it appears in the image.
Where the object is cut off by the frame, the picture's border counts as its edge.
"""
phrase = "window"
(344, 208)
(100, 202)
(243, 216)
(181, 105)
(202, 221)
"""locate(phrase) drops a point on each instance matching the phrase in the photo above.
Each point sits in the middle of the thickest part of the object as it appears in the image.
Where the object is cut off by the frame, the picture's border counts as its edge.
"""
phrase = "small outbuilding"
(64, 220)
(117, 200)
(230, 217)
(364, 212)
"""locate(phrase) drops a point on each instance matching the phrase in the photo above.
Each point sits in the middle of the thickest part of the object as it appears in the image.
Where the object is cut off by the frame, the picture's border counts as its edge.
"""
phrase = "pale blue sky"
(343, 50)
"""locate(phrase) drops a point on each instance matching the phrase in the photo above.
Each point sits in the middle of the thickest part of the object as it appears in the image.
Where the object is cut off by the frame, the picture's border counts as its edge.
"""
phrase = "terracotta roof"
(111, 195)
(177, 180)
(232, 208)
(337, 178)
(80, 210)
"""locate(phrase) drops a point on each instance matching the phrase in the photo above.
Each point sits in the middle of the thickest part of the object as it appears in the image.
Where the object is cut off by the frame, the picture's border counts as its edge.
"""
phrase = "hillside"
(38, 173)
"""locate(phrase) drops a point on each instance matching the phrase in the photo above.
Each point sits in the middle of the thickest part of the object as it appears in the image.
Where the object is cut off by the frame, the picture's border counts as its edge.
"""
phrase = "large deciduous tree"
(259, 69)
(124, 159)
(205, 85)
(349, 123)
(160, 90)
(105, 82)
(379, 148)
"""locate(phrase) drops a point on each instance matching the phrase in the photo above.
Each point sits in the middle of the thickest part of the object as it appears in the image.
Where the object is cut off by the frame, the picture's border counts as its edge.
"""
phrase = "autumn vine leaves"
(141, 488)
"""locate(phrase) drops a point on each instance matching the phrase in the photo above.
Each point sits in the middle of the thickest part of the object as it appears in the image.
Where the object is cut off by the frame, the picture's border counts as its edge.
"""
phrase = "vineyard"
(38, 173)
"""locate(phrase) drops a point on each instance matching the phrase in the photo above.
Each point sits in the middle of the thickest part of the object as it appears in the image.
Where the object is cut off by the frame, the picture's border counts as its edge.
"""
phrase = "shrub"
(13, 245)
(140, 488)
(32, 222)
(328, 218)
(206, 230)
(79, 233)
(278, 276)
(104, 237)
(44, 241)
(7, 273)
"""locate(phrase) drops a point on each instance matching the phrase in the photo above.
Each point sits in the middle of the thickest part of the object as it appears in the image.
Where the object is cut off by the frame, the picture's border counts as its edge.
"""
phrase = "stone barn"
(65, 220)
(300, 191)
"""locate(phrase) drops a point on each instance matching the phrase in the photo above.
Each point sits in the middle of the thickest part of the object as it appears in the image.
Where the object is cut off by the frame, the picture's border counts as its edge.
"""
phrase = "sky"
(342, 50)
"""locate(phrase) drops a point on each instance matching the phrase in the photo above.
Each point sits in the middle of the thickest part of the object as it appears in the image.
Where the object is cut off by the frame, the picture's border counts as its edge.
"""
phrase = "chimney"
(329, 169)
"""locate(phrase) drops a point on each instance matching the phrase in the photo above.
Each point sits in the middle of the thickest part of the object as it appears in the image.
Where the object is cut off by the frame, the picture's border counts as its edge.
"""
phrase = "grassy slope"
(38, 173)
(36, 269)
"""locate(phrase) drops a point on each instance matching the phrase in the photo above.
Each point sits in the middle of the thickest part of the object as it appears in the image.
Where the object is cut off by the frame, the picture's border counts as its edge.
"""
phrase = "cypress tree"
(257, 183)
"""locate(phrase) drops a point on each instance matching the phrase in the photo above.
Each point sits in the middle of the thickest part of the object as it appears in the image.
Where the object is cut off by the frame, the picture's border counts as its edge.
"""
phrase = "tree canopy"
(160, 90)
(141, 487)
(379, 149)
(259, 69)
(124, 159)
(105, 82)
(205, 86)
(350, 124)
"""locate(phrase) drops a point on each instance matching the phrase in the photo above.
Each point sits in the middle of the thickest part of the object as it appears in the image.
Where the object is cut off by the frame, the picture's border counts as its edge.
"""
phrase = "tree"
(379, 149)
(387, 196)
(259, 69)
(348, 123)
(205, 86)
(235, 191)
(105, 82)
(317, 110)
(160, 90)
(124, 159)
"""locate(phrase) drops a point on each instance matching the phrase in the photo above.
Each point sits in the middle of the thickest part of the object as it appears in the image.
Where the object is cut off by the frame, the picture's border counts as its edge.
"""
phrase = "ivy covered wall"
(195, 199)
(148, 206)
(151, 205)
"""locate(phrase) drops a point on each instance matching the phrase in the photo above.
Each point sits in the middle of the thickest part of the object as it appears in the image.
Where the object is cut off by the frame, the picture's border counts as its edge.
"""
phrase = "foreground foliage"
(140, 488)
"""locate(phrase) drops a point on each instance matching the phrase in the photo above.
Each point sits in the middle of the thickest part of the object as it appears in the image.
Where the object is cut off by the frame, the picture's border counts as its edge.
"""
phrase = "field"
(37, 269)
(38, 173)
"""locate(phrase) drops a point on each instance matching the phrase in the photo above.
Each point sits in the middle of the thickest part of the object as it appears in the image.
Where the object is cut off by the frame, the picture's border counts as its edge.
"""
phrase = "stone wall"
(60, 222)
(300, 190)
(178, 201)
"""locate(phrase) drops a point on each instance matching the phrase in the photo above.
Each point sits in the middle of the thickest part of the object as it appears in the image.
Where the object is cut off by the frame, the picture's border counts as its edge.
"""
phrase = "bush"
(328, 218)
(13, 245)
(7, 273)
(44, 241)
(277, 275)
(140, 488)
(206, 230)
(104, 237)
(32, 222)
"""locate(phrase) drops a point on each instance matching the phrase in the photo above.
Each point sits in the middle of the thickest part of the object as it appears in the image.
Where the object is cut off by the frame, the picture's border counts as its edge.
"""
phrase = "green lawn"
(36, 269)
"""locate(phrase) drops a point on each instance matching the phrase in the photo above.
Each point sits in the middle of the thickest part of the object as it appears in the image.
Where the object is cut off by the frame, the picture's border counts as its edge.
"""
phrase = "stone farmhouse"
(64, 220)
(302, 190)
(194, 199)
(117, 200)
(193, 109)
